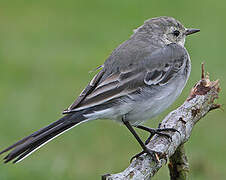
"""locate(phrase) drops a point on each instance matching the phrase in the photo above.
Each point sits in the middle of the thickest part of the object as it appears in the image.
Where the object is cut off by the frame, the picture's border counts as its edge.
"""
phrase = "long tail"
(29, 144)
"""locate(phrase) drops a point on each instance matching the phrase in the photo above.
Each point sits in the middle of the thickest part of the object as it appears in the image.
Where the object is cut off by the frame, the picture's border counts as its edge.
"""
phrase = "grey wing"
(114, 86)
(158, 68)
(89, 88)
(164, 64)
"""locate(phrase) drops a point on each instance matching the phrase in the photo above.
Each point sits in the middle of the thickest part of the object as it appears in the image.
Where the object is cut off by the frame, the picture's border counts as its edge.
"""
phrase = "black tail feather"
(32, 135)
(29, 144)
(22, 156)
(41, 142)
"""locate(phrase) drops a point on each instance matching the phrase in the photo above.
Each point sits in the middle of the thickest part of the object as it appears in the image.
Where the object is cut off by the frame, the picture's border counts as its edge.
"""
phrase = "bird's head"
(166, 29)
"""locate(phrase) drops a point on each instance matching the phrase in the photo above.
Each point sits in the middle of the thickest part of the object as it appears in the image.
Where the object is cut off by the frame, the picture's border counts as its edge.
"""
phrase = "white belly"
(153, 106)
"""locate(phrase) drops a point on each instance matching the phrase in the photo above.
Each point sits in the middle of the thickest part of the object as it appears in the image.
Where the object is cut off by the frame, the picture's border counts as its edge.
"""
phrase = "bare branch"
(197, 105)
(178, 165)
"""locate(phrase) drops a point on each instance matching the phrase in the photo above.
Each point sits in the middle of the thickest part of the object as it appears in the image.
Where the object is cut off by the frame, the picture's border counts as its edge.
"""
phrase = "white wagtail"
(142, 77)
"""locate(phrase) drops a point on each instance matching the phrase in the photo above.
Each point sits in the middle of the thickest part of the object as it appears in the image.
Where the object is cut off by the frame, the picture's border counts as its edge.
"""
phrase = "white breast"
(158, 103)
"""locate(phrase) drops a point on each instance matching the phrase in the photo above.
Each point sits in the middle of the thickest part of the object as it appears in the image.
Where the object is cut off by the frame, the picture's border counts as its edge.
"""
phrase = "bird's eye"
(176, 33)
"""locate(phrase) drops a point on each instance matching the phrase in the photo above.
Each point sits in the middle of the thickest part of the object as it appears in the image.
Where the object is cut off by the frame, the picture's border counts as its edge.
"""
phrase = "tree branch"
(178, 165)
(197, 105)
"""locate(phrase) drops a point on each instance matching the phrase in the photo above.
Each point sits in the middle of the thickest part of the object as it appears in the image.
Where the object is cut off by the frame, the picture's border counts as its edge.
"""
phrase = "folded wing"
(157, 68)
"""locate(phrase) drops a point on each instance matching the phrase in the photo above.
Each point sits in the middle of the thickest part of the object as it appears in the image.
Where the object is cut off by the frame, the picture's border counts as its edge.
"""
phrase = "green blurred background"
(47, 49)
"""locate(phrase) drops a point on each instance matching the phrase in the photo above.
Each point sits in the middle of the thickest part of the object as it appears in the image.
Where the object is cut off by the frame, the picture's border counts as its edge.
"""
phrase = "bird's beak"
(191, 31)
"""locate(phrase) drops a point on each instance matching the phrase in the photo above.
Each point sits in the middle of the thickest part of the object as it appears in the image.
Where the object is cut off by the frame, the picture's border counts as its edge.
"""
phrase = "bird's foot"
(153, 154)
(160, 132)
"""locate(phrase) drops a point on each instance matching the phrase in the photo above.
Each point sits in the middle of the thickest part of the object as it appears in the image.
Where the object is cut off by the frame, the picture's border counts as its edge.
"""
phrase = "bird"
(141, 78)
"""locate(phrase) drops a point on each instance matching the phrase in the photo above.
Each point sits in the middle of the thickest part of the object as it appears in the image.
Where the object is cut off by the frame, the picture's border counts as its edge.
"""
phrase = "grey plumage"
(141, 78)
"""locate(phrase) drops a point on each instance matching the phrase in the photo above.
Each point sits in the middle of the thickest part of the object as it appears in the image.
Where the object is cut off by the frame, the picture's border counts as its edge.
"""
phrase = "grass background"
(47, 49)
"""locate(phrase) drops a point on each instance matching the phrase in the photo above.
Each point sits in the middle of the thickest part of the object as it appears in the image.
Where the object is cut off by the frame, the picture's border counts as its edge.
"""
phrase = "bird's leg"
(158, 131)
(152, 153)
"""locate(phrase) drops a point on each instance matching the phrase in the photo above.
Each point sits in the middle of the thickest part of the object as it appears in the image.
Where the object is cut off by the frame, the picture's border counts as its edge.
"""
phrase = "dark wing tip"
(68, 111)
(65, 111)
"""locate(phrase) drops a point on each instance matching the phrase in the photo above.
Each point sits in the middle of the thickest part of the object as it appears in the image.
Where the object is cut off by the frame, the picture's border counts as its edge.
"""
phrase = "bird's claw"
(159, 131)
(153, 154)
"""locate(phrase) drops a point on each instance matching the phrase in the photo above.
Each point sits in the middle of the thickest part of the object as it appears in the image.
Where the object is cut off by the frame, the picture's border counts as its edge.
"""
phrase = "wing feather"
(91, 86)
(157, 68)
